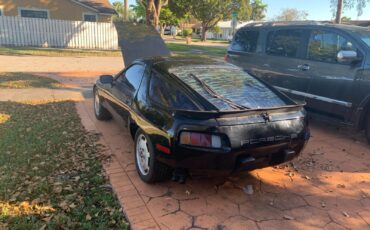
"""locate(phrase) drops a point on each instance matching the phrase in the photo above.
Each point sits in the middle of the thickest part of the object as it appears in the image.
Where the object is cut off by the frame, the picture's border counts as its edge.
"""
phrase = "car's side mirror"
(106, 79)
(347, 57)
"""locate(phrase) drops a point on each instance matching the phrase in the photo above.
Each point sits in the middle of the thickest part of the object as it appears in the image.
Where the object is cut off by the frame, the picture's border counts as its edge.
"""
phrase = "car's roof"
(165, 63)
(304, 24)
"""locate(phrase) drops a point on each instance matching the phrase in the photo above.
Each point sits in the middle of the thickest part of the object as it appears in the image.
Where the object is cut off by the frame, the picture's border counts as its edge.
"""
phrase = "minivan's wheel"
(101, 113)
(149, 169)
(367, 128)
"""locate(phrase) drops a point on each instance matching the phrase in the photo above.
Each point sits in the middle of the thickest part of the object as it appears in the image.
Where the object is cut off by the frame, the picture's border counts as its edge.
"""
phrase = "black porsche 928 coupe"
(200, 114)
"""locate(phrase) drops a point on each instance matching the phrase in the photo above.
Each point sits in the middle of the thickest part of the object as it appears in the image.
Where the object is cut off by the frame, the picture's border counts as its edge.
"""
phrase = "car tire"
(148, 167)
(101, 113)
(367, 127)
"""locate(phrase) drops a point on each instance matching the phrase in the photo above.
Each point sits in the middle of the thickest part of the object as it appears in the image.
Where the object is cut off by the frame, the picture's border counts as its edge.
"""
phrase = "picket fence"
(18, 31)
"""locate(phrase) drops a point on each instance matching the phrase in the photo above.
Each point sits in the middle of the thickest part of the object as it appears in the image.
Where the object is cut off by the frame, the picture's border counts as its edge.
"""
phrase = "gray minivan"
(325, 65)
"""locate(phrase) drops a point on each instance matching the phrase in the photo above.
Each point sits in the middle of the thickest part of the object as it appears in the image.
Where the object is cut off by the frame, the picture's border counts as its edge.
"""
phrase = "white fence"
(17, 31)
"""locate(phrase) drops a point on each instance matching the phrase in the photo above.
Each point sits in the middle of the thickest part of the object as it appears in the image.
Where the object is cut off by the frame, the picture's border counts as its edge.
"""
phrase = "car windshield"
(365, 36)
(227, 87)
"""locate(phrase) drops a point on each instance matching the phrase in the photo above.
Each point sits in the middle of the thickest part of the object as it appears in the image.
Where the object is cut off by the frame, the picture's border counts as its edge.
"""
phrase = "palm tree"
(338, 18)
(125, 12)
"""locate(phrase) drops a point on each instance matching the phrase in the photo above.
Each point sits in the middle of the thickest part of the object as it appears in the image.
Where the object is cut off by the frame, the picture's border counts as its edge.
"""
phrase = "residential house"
(226, 30)
(363, 23)
(73, 10)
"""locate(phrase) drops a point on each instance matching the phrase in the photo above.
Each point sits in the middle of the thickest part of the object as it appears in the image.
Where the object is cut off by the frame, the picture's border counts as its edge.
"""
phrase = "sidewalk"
(59, 64)
(41, 94)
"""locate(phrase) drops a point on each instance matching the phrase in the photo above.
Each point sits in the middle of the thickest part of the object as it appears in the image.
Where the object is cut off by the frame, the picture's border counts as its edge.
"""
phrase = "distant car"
(200, 114)
(167, 31)
(325, 65)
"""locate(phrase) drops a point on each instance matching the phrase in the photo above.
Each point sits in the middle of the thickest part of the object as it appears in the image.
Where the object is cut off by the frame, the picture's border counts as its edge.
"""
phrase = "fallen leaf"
(88, 217)
(345, 214)
(63, 205)
(47, 219)
(341, 186)
(248, 189)
(35, 201)
(57, 189)
(288, 217)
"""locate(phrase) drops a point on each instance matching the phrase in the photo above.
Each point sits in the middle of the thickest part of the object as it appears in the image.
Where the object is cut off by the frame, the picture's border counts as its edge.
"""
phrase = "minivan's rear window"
(245, 41)
(284, 43)
(226, 86)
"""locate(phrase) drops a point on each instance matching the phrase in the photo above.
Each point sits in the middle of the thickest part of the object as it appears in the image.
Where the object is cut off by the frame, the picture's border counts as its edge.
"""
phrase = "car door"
(332, 82)
(283, 61)
(124, 89)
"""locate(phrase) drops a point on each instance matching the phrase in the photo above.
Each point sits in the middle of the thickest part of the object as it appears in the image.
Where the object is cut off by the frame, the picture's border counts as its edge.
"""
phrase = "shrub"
(187, 32)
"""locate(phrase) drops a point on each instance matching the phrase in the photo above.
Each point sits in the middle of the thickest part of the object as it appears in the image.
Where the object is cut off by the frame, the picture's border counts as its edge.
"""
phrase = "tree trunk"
(338, 18)
(153, 11)
(204, 32)
(125, 11)
(149, 12)
(162, 29)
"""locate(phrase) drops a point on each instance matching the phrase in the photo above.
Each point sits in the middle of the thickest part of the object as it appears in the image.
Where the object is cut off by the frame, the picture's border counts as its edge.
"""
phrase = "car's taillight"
(226, 57)
(200, 140)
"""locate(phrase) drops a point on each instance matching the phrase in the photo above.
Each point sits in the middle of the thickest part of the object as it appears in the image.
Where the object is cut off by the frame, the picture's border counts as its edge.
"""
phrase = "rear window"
(284, 43)
(245, 41)
(165, 94)
(230, 84)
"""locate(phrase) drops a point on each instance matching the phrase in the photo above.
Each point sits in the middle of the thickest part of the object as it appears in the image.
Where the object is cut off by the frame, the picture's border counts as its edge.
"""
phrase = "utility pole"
(125, 10)
(338, 18)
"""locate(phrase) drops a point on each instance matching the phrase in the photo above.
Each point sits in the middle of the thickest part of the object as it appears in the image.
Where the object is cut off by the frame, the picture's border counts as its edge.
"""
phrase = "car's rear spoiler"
(237, 113)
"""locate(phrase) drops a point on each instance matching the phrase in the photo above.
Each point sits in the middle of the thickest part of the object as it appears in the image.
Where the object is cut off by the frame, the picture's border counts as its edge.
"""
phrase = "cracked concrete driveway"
(327, 187)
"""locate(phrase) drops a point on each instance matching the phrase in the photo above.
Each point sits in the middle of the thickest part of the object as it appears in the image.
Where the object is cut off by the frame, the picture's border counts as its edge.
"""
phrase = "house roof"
(100, 6)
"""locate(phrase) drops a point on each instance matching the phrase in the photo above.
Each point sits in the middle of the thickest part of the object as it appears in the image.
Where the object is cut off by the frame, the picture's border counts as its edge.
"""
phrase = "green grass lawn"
(211, 41)
(194, 49)
(208, 40)
(50, 171)
(51, 52)
(25, 80)
(176, 48)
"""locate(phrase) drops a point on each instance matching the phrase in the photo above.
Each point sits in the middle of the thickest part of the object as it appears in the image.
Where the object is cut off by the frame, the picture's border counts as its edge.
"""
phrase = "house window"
(34, 13)
(89, 17)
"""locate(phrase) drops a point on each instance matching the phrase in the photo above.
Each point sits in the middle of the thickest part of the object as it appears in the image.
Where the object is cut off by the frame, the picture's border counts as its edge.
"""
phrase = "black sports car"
(201, 114)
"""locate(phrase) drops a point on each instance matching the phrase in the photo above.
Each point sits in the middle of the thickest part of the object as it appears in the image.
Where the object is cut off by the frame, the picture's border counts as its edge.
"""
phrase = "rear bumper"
(235, 159)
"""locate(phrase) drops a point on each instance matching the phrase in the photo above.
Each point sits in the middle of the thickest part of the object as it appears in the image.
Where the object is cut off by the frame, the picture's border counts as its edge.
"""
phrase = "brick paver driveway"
(328, 187)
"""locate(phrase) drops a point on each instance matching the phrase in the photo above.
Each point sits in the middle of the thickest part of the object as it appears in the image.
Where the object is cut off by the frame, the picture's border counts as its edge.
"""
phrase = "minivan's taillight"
(200, 140)
(226, 57)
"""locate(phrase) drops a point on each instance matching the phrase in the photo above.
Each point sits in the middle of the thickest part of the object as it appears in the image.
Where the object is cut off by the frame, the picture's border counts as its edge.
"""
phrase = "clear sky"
(316, 9)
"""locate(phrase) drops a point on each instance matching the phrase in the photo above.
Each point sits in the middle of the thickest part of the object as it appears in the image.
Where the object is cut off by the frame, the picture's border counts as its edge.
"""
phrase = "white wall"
(18, 31)
(225, 34)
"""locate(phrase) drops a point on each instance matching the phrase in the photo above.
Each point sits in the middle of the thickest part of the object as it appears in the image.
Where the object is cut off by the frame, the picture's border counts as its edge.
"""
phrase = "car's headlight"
(200, 140)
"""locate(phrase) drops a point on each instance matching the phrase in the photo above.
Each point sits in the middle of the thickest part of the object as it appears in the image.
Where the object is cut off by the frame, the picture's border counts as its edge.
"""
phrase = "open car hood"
(139, 41)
